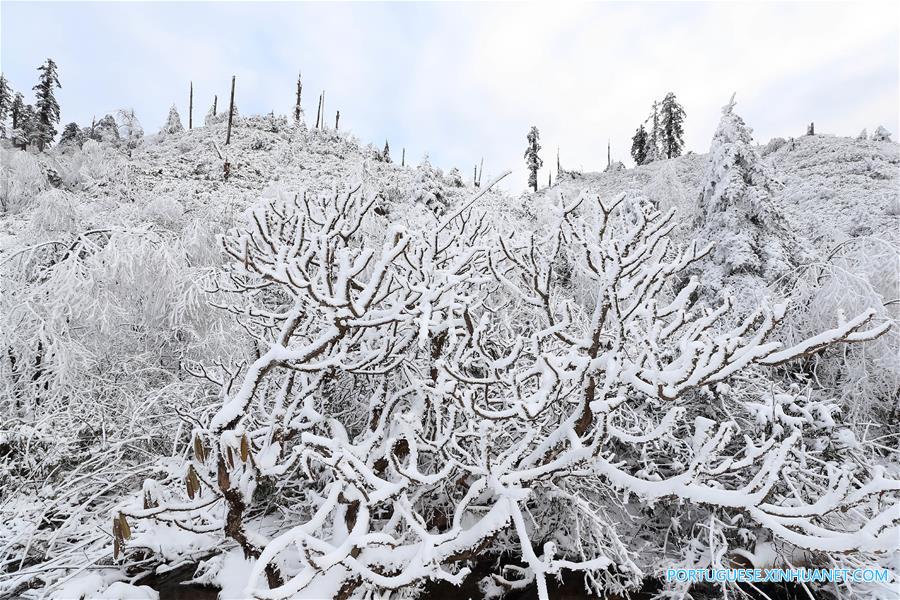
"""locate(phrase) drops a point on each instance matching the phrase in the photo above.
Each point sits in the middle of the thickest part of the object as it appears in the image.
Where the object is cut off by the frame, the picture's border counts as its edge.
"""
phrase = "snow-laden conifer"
(533, 162)
(173, 122)
(736, 208)
(46, 106)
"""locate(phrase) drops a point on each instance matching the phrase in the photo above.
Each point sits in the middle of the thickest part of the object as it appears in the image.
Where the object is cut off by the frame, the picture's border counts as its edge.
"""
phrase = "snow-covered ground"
(317, 372)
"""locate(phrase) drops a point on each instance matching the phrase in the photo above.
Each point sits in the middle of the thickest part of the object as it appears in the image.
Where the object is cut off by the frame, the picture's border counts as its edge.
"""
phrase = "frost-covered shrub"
(21, 179)
(773, 145)
(55, 212)
(857, 273)
(423, 397)
(428, 187)
(99, 164)
(166, 211)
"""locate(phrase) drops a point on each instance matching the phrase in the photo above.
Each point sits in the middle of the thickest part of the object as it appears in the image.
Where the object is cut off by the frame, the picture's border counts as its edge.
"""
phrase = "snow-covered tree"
(5, 103)
(863, 135)
(46, 106)
(72, 136)
(27, 131)
(15, 109)
(881, 134)
(639, 145)
(386, 153)
(105, 130)
(672, 126)
(736, 209)
(533, 162)
(298, 109)
(129, 127)
(652, 151)
(173, 122)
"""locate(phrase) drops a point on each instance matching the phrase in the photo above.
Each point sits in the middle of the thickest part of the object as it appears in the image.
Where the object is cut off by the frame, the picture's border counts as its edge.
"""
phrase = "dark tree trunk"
(297, 109)
(319, 112)
(230, 112)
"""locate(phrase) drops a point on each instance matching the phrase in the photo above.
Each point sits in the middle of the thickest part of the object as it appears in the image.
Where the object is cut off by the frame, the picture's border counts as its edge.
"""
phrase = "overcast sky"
(462, 81)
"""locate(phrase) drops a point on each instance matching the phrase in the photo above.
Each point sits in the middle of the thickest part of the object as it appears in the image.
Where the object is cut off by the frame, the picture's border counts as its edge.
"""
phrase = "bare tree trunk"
(480, 171)
(230, 112)
(319, 112)
(191, 108)
(403, 158)
(337, 120)
(475, 177)
(215, 101)
(324, 126)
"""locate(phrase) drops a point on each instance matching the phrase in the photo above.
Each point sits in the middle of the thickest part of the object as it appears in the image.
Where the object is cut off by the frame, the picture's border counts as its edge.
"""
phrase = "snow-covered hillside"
(310, 372)
(831, 188)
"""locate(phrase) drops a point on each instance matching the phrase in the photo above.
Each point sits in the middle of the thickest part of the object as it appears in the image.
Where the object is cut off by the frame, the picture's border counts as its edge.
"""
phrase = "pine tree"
(672, 126)
(736, 209)
(28, 131)
(639, 145)
(652, 148)
(46, 107)
(105, 130)
(173, 122)
(71, 136)
(532, 160)
(15, 111)
(5, 103)
(386, 154)
(298, 111)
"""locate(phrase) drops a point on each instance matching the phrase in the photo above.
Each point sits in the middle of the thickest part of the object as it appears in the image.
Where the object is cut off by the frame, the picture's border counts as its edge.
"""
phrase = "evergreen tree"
(639, 145)
(386, 155)
(532, 160)
(652, 147)
(105, 130)
(5, 103)
(71, 136)
(736, 208)
(27, 130)
(173, 122)
(15, 111)
(46, 106)
(672, 126)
